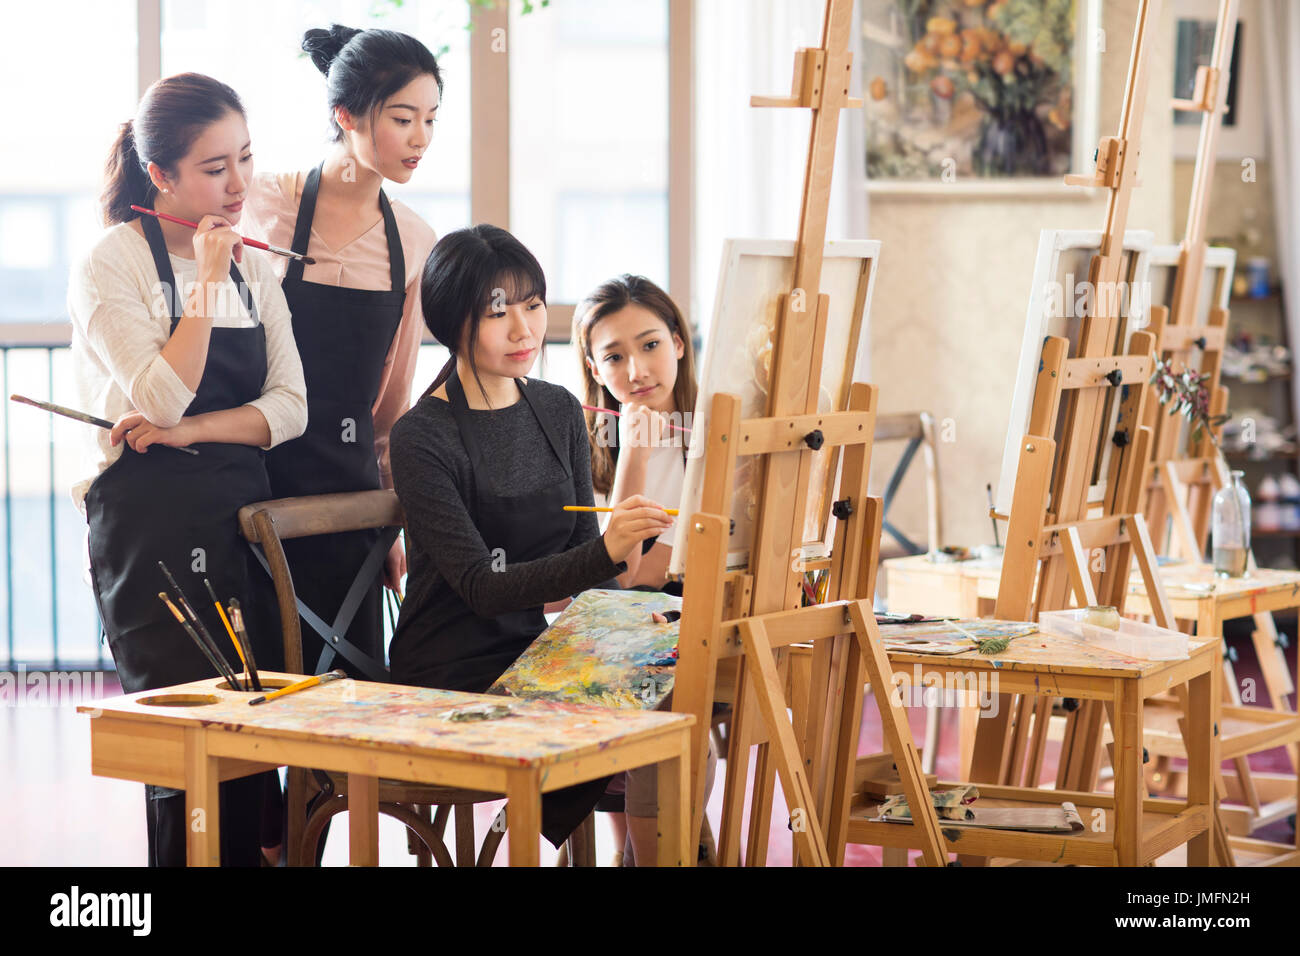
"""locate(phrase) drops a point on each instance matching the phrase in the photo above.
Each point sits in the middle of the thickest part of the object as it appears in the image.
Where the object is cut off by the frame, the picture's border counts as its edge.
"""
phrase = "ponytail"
(442, 376)
(125, 180)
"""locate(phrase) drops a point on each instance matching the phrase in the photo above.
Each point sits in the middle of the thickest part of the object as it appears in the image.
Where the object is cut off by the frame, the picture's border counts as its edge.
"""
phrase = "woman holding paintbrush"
(485, 464)
(356, 309)
(183, 339)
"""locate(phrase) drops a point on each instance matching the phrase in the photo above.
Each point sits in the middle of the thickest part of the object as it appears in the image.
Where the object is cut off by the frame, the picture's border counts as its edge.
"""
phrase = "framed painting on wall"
(968, 96)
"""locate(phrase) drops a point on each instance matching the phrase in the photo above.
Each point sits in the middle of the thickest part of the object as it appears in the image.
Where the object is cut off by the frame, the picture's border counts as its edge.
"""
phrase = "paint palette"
(603, 649)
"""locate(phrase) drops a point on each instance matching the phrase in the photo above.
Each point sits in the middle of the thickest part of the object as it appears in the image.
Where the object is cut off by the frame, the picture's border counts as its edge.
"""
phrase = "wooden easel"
(751, 616)
(1181, 481)
(1054, 539)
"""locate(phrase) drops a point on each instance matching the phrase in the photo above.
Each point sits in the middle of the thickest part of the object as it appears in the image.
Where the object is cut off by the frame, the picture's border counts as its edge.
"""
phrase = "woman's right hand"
(215, 244)
(643, 427)
(634, 519)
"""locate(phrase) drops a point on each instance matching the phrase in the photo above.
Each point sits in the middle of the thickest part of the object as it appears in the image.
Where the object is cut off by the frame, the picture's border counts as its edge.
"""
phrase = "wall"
(949, 308)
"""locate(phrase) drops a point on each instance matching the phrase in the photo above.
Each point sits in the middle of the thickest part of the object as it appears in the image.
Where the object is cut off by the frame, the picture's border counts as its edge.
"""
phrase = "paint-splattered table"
(194, 736)
(1125, 829)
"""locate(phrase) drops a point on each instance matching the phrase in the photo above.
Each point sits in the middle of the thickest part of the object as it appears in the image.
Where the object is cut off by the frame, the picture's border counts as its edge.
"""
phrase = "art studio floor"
(64, 816)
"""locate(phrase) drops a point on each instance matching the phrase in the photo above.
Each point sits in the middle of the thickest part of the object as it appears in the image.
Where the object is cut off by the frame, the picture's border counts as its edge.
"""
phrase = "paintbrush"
(671, 511)
(300, 685)
(989, 488)
(237, 619)
(201, 628)
(255, 243)
(221, 613)
(610, 411)
(214, 660)
(77, 416)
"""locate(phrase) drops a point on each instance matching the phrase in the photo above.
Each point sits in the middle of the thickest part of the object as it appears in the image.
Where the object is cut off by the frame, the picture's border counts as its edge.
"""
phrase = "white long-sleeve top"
(121, 320)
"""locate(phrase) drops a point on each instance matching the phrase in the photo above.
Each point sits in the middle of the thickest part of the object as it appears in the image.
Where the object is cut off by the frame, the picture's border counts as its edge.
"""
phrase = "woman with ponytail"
(182, 337)
(356, 311)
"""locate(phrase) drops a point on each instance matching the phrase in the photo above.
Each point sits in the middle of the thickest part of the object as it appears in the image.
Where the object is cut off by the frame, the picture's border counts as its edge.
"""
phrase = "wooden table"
(194, 736)
(1126, 829)
(1195, 593)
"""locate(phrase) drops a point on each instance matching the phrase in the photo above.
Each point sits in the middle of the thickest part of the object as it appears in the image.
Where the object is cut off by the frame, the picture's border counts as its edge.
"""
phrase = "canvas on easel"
(1060, 296)
(738, 356)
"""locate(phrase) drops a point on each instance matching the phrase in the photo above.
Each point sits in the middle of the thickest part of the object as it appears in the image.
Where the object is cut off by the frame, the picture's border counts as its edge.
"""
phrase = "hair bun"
(324, 45)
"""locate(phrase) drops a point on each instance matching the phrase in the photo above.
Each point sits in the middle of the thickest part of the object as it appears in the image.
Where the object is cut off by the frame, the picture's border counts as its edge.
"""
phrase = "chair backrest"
(267, 523)
(917, 429)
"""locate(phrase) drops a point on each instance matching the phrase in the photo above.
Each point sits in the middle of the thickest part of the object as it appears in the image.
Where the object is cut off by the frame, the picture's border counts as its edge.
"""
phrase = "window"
(52, 153)
(285, 94)
(589, 140)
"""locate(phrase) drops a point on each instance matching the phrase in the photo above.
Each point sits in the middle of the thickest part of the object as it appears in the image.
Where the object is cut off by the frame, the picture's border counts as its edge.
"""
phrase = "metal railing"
(46, 603)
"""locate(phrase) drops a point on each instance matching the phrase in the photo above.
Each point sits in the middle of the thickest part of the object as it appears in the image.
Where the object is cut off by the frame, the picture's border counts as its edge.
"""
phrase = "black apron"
(343, 336)
(181, 509)
(473, 651)
(524, 528)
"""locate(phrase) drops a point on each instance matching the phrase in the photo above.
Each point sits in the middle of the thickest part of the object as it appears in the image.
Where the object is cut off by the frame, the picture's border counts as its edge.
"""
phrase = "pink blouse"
(270, 212)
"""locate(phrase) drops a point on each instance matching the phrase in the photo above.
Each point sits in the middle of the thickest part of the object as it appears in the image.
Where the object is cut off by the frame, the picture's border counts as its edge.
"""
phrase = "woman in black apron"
(484, 465)
(384, 89)
(155, 503)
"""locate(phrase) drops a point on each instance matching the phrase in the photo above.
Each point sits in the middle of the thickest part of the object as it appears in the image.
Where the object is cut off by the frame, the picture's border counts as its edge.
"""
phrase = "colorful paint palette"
(603, 649)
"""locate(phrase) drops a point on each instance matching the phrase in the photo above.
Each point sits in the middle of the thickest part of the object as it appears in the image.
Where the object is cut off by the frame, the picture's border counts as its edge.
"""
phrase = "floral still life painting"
(962, 89)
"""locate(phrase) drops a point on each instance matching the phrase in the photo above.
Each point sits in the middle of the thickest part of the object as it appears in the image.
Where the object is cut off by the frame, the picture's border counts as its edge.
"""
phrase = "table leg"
(524, 811)
(1202, 762)
(1127, 730)
(363, 820)
(202, 814)
(675, 808)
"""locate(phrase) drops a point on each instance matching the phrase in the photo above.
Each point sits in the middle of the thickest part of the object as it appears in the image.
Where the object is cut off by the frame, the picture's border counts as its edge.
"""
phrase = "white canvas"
(738, 357)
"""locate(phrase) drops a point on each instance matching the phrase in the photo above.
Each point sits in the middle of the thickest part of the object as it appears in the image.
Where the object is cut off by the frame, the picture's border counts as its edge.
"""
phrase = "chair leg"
(296, 801)
(492, 839)
(423, 857)
(417, 824)
(315, 825)
(464, 834)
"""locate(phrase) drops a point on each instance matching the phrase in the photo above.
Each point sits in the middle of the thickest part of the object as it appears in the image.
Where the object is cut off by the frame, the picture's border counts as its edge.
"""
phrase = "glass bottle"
(1230, 530)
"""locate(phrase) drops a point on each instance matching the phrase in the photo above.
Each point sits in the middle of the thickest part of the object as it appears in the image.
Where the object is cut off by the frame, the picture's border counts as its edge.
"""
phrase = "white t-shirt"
(121, 321)
(664, 475)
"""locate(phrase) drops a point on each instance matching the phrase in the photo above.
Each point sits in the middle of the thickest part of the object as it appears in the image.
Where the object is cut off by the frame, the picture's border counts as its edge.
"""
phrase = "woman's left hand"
(395, 567)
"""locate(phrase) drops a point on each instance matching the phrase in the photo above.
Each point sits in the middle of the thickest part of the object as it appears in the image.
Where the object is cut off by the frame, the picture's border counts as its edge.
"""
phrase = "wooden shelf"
(1166, 824)
(1246, 457)
(1268, 377)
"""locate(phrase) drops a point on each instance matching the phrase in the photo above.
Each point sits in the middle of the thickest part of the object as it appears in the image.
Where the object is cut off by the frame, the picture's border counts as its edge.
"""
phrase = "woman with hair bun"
(356, 311)
(183, 338)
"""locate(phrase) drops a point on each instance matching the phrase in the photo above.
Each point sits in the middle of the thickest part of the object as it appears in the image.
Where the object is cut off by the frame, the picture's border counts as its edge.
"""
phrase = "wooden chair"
(917, 429)
(424, 809)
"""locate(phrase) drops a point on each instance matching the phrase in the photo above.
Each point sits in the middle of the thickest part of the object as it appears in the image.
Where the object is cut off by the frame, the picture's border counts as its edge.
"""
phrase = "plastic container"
(1133, 639)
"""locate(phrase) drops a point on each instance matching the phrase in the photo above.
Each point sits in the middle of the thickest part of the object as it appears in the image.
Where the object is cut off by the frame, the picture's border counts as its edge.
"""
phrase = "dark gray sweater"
(453, 591)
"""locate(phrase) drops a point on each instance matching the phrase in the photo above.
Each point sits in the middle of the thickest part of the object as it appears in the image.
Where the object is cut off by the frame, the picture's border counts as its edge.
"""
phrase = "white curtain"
(749, 162)
(1280, 23)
